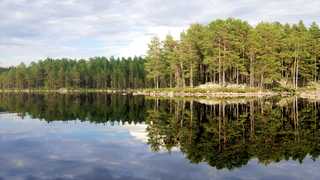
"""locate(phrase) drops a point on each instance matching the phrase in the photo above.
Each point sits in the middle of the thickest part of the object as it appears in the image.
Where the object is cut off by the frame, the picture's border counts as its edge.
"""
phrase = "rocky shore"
(205, 94)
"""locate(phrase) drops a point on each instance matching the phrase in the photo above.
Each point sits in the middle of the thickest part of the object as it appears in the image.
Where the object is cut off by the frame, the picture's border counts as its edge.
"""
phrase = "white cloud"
(33, 29)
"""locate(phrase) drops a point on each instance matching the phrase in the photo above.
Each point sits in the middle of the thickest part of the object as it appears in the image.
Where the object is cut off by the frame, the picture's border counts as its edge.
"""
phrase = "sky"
(35, 29)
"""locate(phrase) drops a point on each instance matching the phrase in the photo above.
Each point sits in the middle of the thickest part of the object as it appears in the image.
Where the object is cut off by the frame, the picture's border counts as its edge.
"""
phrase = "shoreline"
(179, 92)
(170, 93)
(312, 95)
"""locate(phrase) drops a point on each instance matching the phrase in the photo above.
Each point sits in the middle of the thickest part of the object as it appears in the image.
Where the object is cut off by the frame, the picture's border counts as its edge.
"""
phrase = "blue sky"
(34, 29)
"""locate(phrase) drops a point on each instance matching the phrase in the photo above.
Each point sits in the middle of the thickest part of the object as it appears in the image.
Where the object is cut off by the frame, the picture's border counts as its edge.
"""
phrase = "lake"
(117, 137)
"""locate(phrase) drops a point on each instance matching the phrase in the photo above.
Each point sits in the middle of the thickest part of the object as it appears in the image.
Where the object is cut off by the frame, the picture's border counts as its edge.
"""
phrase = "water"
(100, 136)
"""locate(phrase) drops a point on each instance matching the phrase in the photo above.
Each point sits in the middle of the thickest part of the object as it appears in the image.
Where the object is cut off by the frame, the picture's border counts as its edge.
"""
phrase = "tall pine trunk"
(297, 67)
(178, 76)
(170, 80)
(237, 76)
(191, 75)
(223, 68)
(294, 72)
(220, 77)
(182, 75)
(251, 72)
(297, 74)
(315, 69)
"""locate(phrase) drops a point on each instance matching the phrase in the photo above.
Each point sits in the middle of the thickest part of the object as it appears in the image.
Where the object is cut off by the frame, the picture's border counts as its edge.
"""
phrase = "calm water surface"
(100, 136)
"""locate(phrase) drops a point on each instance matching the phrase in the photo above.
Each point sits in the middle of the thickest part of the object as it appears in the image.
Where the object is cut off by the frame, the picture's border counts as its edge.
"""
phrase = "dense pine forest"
(98, 72)
(232, 51)
(223, 52)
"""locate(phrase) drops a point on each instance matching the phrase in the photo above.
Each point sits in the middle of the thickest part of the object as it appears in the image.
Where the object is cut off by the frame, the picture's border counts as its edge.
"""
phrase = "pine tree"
(154, 63)
(314, 48)
(267, 63)
(170, 58)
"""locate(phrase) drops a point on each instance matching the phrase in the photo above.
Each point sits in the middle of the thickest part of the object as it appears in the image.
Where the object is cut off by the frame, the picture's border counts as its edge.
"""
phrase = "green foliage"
(222, 52)
(98, 73)
(233, 52)
(155, 65)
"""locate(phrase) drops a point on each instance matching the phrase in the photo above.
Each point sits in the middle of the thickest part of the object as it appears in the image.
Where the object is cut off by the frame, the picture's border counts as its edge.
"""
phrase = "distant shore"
(165, 92)
(181, 92)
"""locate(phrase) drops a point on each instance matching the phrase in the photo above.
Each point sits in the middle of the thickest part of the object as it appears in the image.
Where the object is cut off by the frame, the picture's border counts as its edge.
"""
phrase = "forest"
(229, 51)
(232, 51)
(97, 73)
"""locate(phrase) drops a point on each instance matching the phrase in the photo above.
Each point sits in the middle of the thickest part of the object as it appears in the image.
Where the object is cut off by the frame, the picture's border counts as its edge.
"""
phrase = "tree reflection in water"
(225, 133)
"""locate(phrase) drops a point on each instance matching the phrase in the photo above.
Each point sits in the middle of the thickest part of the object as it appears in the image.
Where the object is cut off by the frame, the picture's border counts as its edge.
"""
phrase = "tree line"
(98, 72)
(232, 51)
(223, 52)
